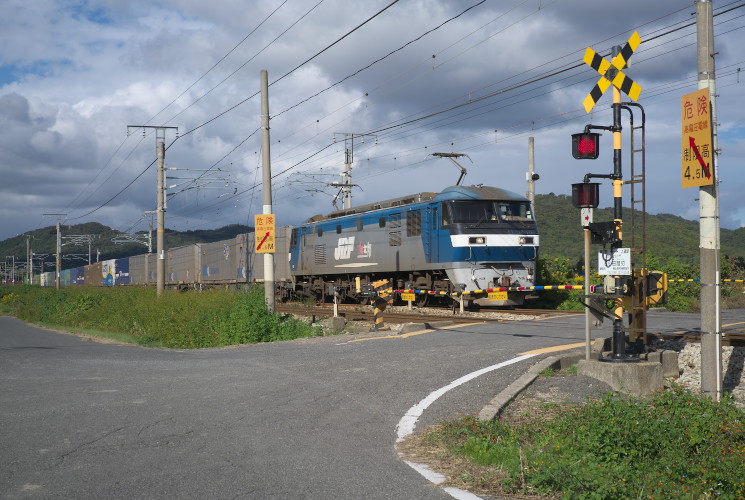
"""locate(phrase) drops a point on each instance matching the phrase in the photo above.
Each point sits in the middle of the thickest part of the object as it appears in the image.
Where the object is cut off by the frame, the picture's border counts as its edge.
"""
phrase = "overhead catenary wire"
(446, 110)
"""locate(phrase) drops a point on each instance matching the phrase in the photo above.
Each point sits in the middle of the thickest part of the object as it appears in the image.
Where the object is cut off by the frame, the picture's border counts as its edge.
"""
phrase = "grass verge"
(212, 318)
(674, 444)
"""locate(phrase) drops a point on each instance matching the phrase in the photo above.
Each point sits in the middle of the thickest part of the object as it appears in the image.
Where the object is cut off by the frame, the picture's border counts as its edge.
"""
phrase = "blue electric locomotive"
(465, 238)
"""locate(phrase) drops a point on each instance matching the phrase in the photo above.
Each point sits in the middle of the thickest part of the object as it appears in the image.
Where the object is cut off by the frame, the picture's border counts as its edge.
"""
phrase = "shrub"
(672, 445)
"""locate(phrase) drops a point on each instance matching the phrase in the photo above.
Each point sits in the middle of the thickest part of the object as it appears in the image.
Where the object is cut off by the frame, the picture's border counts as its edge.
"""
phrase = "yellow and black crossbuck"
(611, 73)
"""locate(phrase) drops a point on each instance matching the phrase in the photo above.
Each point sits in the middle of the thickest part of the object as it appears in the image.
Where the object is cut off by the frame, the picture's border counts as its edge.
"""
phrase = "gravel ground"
(689, 363)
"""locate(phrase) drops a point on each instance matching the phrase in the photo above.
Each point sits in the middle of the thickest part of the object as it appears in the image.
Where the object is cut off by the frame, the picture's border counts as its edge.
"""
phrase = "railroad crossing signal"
(697, 142)
(611, 73)
(265, 231)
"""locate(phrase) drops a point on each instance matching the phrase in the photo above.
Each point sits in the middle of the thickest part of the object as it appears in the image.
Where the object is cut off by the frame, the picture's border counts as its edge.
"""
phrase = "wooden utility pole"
(269, 293)
(711, 338)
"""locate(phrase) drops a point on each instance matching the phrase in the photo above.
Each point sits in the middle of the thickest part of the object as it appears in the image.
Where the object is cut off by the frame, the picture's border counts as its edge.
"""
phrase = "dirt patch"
(461, 471)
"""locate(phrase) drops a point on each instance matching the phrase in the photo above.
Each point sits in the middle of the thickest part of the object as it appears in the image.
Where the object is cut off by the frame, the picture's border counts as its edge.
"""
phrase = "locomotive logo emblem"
(344, 248)
(364, 250)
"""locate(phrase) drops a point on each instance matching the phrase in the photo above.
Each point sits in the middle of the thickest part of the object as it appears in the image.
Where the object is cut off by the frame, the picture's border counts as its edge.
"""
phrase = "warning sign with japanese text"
(265, 230)
(697, 153)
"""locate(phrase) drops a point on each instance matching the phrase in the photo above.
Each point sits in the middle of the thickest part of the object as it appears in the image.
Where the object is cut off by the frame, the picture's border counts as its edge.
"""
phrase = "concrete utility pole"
(29, 264)
(160, 147)
(711, 338)
(346, 186)
(269, 293)
(161, 234)
(58, 251)
(532, 176)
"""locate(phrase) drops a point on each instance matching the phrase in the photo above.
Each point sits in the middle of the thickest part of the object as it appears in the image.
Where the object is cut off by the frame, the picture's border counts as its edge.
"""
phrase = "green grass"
(672, 445)
(210, 318)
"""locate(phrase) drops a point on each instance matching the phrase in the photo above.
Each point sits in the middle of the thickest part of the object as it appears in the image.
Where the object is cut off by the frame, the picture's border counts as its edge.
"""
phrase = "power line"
(213, 67)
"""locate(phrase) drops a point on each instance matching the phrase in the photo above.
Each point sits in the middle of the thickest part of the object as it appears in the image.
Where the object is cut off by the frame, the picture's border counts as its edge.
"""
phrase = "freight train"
(463, 239)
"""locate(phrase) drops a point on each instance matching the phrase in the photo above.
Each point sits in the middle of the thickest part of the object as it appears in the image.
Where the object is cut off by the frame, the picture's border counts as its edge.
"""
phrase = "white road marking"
(407, 424)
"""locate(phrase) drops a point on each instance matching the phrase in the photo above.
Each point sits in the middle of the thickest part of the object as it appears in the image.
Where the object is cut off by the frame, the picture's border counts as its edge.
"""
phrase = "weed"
(672, 445)
(548, 372)
(180, 320)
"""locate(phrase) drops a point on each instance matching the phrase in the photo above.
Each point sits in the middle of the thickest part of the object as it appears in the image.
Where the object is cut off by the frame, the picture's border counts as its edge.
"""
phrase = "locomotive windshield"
(484, 211)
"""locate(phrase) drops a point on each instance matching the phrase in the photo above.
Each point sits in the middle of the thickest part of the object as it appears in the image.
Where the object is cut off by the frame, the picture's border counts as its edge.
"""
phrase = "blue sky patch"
(8, 74)
(732, 135)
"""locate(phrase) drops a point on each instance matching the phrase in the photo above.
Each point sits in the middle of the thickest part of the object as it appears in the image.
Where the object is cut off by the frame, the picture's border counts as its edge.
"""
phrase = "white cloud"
(78, 73)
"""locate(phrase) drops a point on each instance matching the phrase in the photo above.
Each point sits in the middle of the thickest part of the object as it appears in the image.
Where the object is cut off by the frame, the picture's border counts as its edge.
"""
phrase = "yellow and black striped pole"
(619, 340)
(380, 305)
(383, 295)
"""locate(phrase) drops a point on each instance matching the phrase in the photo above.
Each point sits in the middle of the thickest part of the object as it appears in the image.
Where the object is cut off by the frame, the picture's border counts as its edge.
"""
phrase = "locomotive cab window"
(488, 212)
(447, 216)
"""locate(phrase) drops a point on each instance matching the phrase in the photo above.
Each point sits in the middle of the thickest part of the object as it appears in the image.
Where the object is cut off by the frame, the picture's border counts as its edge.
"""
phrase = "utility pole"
(28, 258)
(160, 147)
(532, 176)
(346, 185)
(711, 339)
(58, 251)
(269, 293)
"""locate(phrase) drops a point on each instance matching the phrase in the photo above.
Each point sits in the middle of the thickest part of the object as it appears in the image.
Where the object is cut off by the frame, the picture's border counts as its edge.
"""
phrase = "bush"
(179, 320)
(673, 445)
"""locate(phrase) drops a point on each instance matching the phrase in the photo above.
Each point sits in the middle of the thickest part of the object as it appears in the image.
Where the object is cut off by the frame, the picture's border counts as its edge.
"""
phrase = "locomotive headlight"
(477, 240)
(526, 240)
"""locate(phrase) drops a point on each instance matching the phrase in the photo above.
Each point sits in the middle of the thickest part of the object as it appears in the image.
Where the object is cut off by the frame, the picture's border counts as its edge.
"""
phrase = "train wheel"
(422, 300)
(363, 301)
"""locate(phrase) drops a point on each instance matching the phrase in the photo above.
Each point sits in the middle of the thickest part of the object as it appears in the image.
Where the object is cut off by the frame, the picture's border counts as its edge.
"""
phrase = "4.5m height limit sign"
(266, 231)
(698, 156)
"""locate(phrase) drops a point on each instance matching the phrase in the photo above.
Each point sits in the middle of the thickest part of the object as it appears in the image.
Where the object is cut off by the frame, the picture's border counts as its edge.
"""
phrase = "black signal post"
(584, 146)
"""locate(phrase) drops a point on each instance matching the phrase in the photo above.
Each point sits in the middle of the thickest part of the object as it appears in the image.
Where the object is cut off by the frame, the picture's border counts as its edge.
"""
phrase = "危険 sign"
(266, 229)
(697, 152)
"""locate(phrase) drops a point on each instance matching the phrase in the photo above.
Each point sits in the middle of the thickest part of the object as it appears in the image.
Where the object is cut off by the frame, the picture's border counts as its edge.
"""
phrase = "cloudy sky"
(419, 76)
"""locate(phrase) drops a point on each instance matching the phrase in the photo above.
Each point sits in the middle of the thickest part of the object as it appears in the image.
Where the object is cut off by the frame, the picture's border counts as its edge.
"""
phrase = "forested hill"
(667, 235)
(558, 222)
(44, 240)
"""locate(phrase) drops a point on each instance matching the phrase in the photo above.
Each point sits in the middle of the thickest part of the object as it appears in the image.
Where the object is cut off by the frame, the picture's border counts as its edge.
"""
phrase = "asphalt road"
(302, 419)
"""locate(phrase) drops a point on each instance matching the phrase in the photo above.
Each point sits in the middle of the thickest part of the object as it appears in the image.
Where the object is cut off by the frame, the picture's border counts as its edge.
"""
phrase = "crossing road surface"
(310, 418)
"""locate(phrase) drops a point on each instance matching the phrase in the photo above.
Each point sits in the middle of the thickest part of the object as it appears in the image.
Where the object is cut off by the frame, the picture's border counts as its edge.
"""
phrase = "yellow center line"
(419, 332)
(557, 348)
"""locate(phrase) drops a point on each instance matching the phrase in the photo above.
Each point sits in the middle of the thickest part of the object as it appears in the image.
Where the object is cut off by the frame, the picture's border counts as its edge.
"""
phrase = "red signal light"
(586, 146)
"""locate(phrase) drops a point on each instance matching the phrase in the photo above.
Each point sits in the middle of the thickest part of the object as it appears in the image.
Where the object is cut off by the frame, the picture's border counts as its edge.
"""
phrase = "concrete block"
(637, 379)
(602, 344)
(413, 327)
(670, 364)
(669, 361)
(338, 323)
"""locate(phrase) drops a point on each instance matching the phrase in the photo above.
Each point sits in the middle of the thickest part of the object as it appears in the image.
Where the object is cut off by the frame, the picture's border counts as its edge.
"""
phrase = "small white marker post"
(586, 220)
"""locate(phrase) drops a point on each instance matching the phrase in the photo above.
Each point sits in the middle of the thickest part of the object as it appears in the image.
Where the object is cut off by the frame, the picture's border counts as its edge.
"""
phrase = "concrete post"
(269, 292)
(711, 359)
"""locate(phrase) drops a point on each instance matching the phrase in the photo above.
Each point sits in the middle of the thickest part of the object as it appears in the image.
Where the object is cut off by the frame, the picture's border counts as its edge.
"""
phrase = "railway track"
(399, 314)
